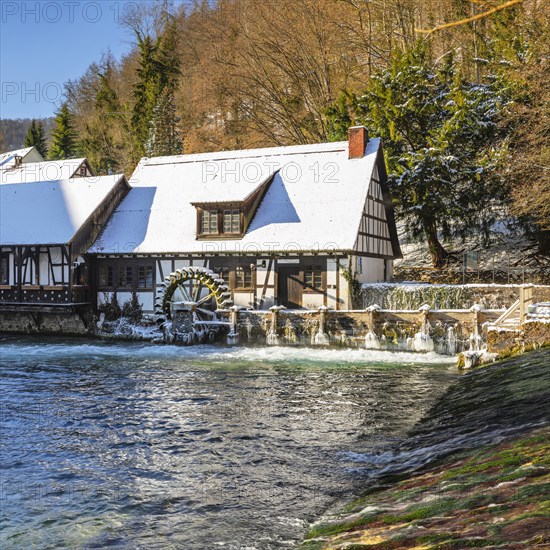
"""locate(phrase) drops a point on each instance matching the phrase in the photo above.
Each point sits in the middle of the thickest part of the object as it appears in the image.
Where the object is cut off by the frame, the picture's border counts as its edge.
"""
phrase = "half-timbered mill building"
(279, 225)
(45, 229)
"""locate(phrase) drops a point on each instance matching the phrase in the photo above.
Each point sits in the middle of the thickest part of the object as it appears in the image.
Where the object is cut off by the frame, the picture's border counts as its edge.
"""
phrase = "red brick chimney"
(357, 140)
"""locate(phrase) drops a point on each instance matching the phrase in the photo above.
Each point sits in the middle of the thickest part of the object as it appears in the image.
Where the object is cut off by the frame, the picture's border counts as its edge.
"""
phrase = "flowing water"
(134, 445)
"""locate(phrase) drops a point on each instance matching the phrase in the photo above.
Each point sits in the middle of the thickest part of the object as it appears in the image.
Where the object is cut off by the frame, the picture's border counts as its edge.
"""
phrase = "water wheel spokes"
(201, 288)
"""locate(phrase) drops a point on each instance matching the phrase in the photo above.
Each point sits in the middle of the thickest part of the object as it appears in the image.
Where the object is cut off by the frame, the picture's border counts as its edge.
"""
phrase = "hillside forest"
(458, 90)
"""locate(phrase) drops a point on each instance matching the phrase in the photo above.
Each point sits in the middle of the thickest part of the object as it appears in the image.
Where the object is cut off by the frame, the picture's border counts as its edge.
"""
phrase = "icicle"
(272, 337)
(451, 341)
(321, 338)
(476, 343)
(233, 336)
(422, 340)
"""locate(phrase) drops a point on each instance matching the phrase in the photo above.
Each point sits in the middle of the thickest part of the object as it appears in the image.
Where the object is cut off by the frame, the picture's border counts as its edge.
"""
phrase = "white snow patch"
(41, 171)
(314, 202)
(49, 212)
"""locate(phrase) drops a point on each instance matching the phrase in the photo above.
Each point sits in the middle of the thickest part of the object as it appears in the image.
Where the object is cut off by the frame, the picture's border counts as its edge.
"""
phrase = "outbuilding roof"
(314, 202)
(50, 212)
(41, 171)
(28, 154)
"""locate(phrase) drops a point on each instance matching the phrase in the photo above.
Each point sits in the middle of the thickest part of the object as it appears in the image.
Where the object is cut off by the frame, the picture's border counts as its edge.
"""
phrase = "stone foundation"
(47, 322)
(506, 342)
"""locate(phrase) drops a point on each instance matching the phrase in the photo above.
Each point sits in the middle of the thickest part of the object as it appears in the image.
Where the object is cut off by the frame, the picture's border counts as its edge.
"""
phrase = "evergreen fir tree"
(438, 132)
(64, 140)
(158, 70)
(101, 135)
(36, 137)
(164, 133)
(145, 91)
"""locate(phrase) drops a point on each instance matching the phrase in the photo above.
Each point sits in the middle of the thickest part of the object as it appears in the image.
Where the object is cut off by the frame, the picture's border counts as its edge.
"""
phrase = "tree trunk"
(438, 253)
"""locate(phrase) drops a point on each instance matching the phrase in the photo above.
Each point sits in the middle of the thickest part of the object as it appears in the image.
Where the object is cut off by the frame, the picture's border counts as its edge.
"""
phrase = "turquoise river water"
(110, 445)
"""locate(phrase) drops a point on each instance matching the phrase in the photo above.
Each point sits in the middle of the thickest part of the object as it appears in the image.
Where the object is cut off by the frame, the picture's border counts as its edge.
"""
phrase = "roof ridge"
(283, 150)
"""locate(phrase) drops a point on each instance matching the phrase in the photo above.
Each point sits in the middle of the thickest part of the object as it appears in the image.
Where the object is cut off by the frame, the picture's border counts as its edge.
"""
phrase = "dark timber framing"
(48, 275)
(227, 266)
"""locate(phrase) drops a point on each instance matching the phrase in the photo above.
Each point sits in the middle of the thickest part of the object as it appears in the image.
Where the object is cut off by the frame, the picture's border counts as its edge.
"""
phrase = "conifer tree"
(158, 70)
(145, 90)
(438, 131)
(64, 139)
(36, 137)
(164, 133)
(101, 140)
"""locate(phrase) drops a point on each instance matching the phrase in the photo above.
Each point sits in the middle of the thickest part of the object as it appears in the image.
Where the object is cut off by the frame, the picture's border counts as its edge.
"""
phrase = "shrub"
(110, 308)
(132, 309)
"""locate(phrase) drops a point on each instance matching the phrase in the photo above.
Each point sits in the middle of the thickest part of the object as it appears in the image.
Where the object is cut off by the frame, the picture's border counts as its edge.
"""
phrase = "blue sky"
(45, 43)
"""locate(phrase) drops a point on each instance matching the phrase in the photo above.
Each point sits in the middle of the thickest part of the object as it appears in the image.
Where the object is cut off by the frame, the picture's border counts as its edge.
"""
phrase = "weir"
(469, 330)
(196, 308)
(446, 332)
(475, 334)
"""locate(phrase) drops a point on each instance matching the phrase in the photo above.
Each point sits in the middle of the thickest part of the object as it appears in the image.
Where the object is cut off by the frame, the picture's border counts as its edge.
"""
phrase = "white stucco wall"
(369, 270)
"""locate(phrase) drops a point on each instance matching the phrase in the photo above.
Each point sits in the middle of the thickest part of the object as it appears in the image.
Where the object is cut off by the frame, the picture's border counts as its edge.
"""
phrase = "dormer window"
(232, 221)
(229, 219)
(209, 224)
(83, 171)
(222, 222)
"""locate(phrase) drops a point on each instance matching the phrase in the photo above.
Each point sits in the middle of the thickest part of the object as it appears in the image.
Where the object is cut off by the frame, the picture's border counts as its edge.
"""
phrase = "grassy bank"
(491, 495)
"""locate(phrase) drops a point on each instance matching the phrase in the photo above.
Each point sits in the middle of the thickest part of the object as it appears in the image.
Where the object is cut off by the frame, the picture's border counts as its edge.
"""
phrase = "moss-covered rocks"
(495, 496)
(475, 472)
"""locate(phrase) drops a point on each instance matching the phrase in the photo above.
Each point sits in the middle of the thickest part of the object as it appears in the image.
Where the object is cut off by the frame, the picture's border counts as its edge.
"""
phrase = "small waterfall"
(451, 342)
(248, 328)
(422, 341)
(233, 336)
(322, 338)
(272, 338)
(372, 341)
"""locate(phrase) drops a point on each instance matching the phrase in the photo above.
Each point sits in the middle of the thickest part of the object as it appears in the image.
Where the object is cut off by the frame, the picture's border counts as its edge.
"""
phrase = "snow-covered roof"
(41, 171)
(314, 202)
(50, 212)
(28, 154)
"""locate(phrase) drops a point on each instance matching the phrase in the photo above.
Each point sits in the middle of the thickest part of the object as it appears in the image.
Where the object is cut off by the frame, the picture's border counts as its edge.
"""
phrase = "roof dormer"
(229, 219)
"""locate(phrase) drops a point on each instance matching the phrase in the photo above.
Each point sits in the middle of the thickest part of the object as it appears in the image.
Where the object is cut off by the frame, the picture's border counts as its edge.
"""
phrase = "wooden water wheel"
(198, 288)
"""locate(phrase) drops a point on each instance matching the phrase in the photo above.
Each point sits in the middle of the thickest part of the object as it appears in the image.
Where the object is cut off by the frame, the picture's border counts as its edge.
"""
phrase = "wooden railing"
(515, 315)
(507, 315)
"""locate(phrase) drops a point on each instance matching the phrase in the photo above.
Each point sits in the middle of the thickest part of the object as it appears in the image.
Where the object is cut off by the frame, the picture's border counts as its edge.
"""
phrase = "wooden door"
(290, 287)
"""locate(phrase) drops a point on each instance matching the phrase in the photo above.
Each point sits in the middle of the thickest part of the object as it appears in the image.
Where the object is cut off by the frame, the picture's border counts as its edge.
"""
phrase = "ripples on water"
(110, 445)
